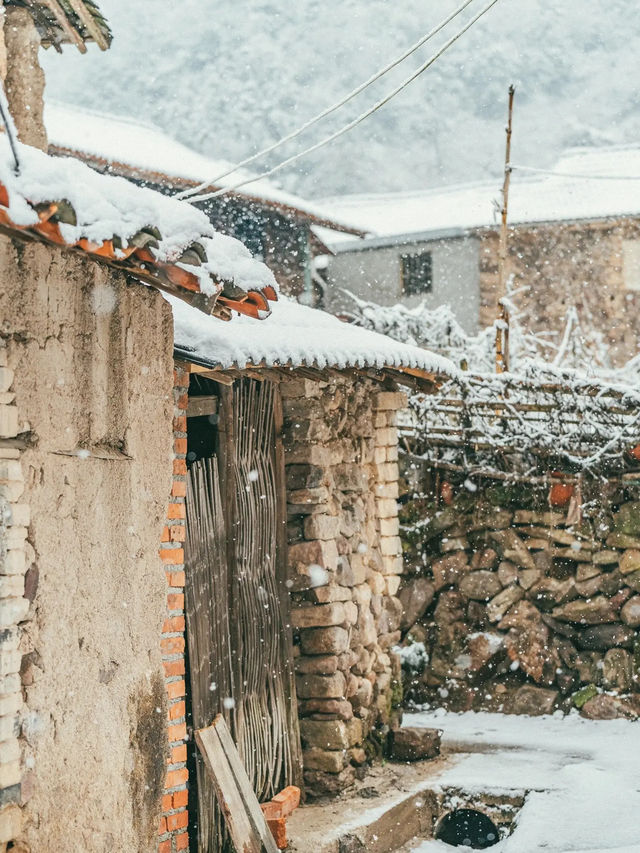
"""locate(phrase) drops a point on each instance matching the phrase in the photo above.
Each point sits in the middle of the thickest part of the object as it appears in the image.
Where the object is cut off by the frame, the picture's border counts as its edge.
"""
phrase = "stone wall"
(517, 609)
(89, 413)
(564, 265)
(345, 562)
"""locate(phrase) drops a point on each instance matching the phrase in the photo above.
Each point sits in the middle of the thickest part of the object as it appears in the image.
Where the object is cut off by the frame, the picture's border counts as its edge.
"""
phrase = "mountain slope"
(228, 78)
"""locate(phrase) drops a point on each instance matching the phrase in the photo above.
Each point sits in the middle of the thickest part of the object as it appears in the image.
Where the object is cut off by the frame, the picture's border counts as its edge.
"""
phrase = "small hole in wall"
(467, 828)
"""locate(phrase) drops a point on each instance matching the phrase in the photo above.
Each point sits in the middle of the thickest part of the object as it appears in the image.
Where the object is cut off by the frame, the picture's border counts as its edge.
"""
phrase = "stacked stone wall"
(562, 265)
(519, 607)
(345, 562)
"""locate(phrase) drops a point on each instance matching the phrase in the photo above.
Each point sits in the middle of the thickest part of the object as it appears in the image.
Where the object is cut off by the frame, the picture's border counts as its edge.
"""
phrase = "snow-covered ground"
(582, 778)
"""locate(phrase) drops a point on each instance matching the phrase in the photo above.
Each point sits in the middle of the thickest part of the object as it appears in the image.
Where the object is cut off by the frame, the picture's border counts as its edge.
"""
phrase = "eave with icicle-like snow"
(164, 242)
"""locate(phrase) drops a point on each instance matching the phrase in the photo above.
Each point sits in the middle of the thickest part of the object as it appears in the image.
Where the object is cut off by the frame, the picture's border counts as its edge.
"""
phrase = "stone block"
(11, 586)
(13, 611)
(10, 823)
(379, 455)
(386, 436)
(376, 582)
(301, 388)
(392, 565)
(318, 615)
(319, 552)
(307, 501)
(387, 472)
(338, 709)
(390, 400)
(594, 611)
(605, 558)
(616, 669)
(330, 593)
(321, 641)
(534, 701)
(603, 637)
(630, 613)
(606, 707)
(485, 559)
(324, 760)
(386, 508)
(448, 570)
(415, 597)
(321, 526)
(311, 454)
(317, 665)
(304, 477)
(350, 477)
(320, 784)
(391, 584)
(8, 421)
(390, 546)
(508, 573)
(502, 602)
(311, 686)
(630, 561)
(325, 734)
(389, 526)
(388, 489)
(350, 612)
(415, 744)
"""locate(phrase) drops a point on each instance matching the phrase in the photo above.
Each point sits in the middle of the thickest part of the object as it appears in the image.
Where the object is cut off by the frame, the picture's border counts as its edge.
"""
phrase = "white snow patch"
(582, 777)
(297, 336)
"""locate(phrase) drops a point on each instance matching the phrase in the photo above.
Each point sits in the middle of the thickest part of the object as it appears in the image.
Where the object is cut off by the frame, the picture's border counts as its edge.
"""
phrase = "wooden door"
(239, 641)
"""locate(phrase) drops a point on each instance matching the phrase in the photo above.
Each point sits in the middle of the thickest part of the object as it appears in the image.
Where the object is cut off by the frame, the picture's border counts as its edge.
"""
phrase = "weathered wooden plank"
(231, 799)
(244, 786)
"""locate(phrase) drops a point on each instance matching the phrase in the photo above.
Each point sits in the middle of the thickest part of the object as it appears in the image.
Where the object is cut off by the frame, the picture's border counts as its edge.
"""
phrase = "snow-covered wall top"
(131, 143)
(586, 183)
(66, 202)
(295, 336)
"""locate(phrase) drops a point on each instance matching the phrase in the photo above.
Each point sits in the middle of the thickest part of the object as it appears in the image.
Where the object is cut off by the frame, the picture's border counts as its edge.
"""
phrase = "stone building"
(574, 240)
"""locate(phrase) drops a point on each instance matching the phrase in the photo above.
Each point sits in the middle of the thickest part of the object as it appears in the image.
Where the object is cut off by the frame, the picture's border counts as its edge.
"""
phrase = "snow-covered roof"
(295, 336)
(165, 242)
(136, 149)
(585, 184)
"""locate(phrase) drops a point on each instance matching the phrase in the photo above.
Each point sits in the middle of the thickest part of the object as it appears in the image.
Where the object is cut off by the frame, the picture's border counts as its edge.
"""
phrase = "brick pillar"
(173, 835)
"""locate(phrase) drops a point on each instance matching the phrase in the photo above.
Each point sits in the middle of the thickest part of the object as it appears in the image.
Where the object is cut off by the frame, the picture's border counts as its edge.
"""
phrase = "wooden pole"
(502, 326)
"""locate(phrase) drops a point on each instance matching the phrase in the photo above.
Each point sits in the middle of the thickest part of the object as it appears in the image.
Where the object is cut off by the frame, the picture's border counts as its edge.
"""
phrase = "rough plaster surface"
(93, 362)
(24, 82)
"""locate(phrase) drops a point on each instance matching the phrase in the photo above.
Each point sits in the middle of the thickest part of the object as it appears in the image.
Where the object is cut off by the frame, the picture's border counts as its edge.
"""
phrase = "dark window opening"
(467, 828)
(417, 273)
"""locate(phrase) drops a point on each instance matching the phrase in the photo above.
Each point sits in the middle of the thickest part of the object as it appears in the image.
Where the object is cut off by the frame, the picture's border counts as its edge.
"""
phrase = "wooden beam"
(89, 23)
(63, 22)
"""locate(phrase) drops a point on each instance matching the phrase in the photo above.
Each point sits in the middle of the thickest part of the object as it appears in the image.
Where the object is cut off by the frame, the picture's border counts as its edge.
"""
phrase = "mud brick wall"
(86, 402)
(345, 562)
(563, 265)
(172, 832)
(519, 610)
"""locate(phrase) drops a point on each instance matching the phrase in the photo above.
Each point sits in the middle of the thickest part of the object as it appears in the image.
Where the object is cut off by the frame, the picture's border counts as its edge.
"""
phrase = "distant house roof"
(142, 151)
(68, 22)
(585, 184)
(167, 243)
(297, 337)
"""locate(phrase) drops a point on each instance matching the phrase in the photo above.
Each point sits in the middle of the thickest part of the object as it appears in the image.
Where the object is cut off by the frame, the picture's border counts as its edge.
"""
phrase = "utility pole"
(502, 324)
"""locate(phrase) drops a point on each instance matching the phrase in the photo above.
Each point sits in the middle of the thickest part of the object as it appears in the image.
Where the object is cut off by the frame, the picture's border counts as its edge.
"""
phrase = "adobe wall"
(565, 265)
(345, 562)
(92, 363)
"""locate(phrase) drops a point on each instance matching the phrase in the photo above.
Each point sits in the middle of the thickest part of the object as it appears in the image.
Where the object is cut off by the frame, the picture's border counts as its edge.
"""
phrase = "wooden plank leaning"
(246, 824)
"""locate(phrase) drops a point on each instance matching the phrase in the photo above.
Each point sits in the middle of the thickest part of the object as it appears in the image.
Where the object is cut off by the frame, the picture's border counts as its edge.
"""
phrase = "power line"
(267, 173)
(328, 110)
(576, 175)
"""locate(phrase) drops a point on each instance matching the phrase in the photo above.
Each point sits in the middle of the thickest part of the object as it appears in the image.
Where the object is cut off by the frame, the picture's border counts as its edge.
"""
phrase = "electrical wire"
(328, 110)
(268, 172)
(575, 175)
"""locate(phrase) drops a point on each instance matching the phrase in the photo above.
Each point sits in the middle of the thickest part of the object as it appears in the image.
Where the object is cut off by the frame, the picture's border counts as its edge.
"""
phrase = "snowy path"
(583, 775)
